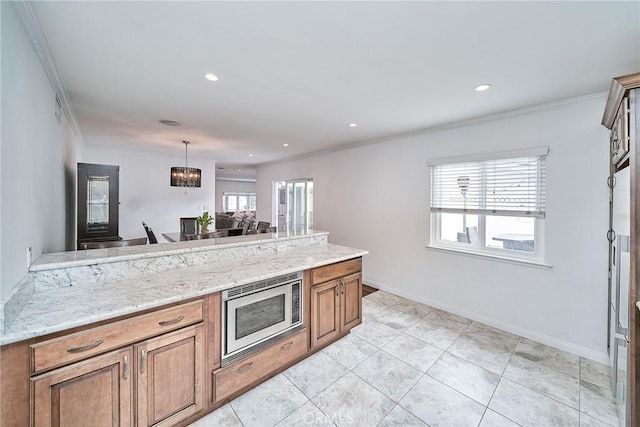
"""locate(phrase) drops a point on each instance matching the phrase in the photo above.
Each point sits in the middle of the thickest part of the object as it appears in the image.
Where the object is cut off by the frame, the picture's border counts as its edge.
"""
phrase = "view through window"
(232, 202)
(494, 206)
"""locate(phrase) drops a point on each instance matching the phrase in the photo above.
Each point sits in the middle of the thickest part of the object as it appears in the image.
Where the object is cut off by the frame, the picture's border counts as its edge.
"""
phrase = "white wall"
(145, 192)
(376, 197)
(224, 186)
(38, 157)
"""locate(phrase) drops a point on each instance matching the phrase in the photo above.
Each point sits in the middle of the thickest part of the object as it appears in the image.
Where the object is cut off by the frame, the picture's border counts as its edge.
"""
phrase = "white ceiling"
(299, 72)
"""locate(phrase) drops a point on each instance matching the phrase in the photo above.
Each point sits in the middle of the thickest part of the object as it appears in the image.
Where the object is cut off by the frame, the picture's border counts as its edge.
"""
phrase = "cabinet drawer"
(70, 348)
(233, 378)
(333, 271)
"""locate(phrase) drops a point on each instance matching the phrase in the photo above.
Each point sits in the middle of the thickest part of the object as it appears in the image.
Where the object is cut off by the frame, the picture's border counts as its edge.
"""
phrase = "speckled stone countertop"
(130, 253)
(57, 309)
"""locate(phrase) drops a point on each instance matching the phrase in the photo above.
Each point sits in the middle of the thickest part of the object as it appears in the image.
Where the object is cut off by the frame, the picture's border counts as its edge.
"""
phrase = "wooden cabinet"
(95, 392)
(158, 381)
(250, 371)
(169, 377)
(619, 139)
(70, 348)
(325, 313)
(161, 367)
(98, 210)
(335, 304)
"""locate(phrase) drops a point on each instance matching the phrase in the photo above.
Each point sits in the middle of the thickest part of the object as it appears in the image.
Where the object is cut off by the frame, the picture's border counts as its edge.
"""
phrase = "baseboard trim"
(585, 352)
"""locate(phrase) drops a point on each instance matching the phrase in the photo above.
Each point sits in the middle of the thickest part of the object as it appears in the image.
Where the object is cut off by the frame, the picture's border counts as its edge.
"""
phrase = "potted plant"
(205, 221)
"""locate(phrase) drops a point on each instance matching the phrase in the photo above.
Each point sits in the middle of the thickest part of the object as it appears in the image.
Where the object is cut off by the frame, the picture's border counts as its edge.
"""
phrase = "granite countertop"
(109, 255)
(57, 309)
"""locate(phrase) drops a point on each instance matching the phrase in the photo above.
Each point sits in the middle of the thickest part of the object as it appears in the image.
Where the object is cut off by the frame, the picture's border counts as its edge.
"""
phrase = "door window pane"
(98, 203)
(295, 204)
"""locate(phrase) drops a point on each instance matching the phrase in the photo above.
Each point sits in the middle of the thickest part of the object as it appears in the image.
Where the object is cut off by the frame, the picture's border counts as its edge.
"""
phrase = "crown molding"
(532, 109)
(39, 41)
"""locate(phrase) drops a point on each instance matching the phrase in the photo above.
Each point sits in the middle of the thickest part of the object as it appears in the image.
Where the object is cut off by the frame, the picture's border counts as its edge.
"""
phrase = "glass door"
(294, 204)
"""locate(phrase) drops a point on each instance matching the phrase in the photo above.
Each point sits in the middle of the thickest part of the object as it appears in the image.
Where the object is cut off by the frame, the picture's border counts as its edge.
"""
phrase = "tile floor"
(409, 364)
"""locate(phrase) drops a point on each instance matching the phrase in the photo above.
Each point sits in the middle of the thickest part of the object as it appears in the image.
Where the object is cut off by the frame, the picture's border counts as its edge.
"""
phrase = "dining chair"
(189, 225)
(263, 225)
(150, 235)
(247, 224)
(237, 223)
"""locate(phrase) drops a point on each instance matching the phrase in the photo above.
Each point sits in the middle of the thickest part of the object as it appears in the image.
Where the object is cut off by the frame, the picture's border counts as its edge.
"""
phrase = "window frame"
(481, 249)
(237, 195)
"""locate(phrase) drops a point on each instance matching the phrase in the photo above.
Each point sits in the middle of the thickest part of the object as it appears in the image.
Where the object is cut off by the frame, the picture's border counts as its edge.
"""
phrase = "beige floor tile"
(350, 351)
(223, 416)
(485, 346)
(465, 377)
(315, 373)
(529, 408)
(350, 401)
(268, 403)
(415, 352)
(375, 333)
(548, 356)
(400, 417)
(598, 402)
(538, 377)
(493, 419)
(437, 404)
(389, 375)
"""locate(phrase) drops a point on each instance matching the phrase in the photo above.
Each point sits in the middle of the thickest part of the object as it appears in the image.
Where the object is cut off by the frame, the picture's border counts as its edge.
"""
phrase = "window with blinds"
(493, 202)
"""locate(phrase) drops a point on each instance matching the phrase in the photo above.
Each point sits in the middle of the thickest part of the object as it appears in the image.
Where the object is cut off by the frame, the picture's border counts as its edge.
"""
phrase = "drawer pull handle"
(244, 368)
(85, 347)
(143, 361)
(125, 373)
(171, 322)
(287, 346)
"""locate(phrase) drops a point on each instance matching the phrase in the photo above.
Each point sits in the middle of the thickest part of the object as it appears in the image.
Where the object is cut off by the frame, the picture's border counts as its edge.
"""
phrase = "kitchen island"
(115, 300)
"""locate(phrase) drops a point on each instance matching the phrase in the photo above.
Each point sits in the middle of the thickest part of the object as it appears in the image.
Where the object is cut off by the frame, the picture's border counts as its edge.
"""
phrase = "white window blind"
(508, 187)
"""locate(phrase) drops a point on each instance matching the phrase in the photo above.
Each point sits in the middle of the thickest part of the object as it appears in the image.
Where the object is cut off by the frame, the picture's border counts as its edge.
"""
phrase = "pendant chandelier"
(185, 176)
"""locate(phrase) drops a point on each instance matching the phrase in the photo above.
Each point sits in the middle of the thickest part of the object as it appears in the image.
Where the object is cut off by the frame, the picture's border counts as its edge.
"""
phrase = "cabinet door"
(351, 301)
(170, 375)
(96, 392)
(325, 312)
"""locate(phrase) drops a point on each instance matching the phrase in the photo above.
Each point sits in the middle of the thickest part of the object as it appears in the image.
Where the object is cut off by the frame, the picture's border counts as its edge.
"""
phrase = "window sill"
(499, 258)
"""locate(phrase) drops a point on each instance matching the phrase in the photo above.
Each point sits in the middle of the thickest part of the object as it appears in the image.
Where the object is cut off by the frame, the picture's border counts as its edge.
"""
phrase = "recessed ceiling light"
(483, 87)
(170, 123)
(211, 77)
(239, 170)
(285, 145)
(352, 125)
(250, 155)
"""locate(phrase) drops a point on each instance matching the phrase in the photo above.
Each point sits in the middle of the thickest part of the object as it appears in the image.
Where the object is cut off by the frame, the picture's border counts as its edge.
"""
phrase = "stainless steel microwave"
(253, 315)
